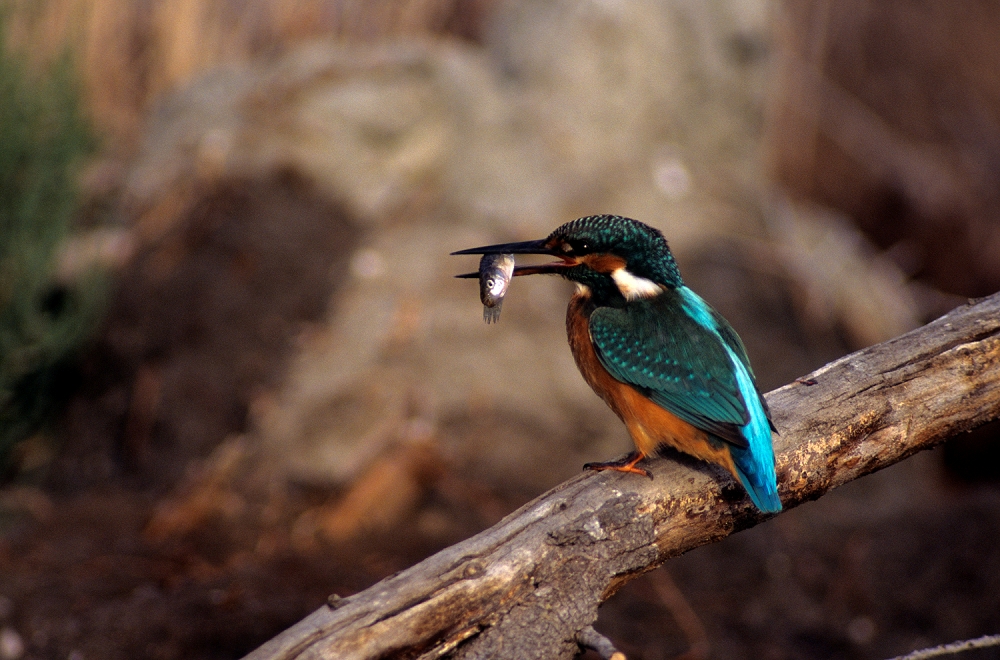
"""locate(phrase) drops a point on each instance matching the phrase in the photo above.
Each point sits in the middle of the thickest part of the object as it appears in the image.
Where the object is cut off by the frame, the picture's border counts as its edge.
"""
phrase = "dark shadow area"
(201, 323)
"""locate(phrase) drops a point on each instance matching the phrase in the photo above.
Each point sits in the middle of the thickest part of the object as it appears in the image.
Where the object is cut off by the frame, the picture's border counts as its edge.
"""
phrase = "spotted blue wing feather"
(655, 346)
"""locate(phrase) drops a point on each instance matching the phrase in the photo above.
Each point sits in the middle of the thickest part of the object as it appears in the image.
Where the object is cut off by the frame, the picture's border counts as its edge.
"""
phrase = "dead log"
(526, 587)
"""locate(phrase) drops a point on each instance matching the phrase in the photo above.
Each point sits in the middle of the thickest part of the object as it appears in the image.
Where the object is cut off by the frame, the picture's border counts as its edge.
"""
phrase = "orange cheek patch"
(604, 263)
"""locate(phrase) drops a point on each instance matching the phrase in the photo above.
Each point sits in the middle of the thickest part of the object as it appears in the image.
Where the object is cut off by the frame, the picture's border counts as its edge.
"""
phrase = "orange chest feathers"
(594, 373)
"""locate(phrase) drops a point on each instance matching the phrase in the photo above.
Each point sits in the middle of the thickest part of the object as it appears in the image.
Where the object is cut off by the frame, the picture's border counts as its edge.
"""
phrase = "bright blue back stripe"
(755, 464)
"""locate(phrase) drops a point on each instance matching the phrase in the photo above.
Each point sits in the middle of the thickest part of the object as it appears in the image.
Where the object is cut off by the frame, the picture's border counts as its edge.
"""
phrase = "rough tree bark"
(525, 587)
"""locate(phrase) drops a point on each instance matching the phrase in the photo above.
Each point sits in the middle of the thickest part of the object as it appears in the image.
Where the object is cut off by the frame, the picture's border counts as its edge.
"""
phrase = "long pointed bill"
(524, 247)
(541, 269)
(553, 268)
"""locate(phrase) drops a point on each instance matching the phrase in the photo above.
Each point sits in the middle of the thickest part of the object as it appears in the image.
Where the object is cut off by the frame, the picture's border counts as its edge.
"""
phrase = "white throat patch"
(633, 286)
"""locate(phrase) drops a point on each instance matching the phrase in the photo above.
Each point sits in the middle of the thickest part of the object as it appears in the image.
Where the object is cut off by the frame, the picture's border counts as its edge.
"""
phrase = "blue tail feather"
(755, 464)
(763, 494)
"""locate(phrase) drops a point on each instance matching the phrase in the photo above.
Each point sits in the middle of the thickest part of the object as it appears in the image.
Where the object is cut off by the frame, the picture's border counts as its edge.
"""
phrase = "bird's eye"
(585, 246)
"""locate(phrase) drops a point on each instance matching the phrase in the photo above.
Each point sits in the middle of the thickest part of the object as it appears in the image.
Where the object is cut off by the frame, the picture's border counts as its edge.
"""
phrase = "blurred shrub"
(43, 141)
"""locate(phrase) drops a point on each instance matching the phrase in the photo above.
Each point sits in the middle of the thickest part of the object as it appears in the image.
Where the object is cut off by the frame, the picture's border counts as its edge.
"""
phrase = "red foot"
(627, 464)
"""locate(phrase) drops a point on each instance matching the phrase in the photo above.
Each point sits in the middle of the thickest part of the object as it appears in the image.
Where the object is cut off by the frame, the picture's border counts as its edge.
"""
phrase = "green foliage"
(44, 138)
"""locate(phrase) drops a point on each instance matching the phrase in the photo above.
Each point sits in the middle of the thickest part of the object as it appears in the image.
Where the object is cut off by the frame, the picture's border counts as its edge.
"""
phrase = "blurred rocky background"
(238, 375)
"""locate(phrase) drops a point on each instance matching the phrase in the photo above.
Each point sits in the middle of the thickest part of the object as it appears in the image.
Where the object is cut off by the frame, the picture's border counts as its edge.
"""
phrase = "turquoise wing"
(670, 356)
(685, 357)
(739, 350)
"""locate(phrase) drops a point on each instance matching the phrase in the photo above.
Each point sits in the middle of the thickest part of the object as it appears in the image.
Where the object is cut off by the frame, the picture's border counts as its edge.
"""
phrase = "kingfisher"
(671, 367)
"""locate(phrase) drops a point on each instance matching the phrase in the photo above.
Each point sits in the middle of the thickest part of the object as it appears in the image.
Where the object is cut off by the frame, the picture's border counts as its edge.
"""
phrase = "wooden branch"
(526, 587)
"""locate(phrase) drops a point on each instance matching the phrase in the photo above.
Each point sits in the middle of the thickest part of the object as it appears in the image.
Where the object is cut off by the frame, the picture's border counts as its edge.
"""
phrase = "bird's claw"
(619, 466)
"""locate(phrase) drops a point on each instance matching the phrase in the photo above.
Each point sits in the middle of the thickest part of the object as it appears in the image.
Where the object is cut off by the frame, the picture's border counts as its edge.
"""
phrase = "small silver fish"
(495, 273)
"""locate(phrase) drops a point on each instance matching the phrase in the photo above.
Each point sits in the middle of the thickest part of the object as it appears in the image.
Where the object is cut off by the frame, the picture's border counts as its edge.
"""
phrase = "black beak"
(541, 269)
(524, 247)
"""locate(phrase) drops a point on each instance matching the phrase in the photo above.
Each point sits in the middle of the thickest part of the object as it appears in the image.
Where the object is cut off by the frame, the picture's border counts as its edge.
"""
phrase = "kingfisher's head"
(612, 256)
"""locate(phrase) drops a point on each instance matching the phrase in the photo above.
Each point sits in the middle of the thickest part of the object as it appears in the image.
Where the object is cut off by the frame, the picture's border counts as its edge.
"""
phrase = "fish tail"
(492, 314)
